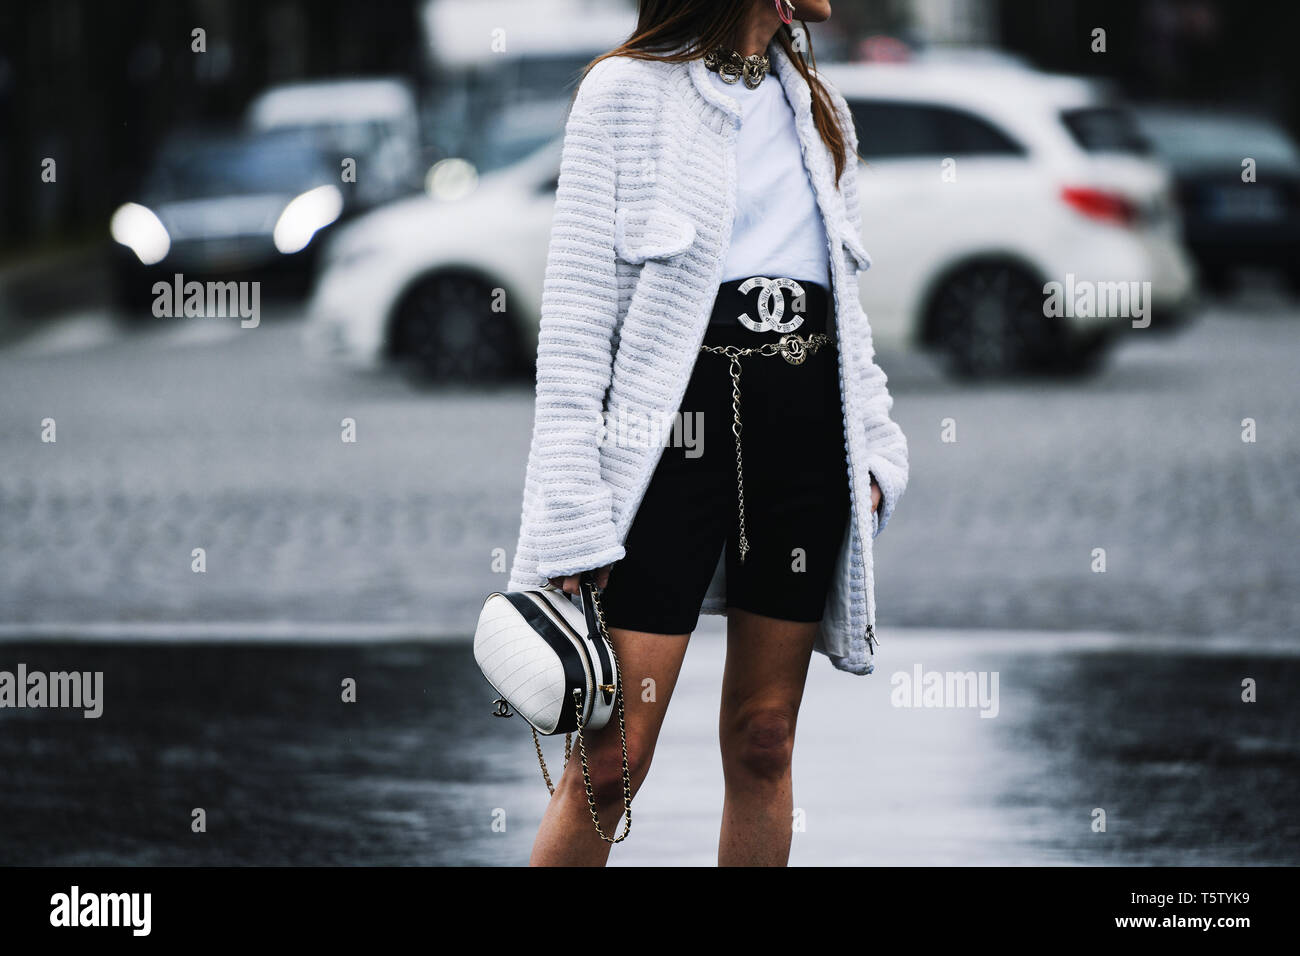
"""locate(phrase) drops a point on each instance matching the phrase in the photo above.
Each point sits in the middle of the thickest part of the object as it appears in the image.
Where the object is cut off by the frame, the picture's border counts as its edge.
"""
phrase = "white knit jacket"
(643, 220)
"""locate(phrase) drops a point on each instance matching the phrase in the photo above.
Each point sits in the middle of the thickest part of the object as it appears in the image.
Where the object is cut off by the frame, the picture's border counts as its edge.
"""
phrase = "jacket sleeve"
(575, 529)
(885, 442)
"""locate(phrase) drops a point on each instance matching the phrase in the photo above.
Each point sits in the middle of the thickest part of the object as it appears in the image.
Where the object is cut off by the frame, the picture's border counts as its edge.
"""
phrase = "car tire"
(1220, 281)
(987, 320)
(445, 330)
(132, 293)
(1084, 355)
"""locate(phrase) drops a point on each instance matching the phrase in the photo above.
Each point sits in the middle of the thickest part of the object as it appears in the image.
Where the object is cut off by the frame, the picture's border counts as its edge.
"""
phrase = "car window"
(901, 130)
(516, 131)
(463, 101)
(349, 138)
(1191, 139)
(1106, 129)
(210, 166)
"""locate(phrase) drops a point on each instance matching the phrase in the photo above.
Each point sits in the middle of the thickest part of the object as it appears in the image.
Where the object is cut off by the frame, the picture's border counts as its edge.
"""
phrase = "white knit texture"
(642, 225)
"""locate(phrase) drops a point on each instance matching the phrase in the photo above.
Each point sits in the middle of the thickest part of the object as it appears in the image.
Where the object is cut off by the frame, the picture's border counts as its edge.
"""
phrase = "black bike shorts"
(796, 486)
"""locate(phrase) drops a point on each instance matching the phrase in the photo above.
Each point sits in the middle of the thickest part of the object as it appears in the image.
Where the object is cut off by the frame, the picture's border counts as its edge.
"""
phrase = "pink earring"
(785, 10)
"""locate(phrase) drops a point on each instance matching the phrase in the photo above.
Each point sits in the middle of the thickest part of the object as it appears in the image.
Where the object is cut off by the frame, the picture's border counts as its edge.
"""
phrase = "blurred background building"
(101, 84)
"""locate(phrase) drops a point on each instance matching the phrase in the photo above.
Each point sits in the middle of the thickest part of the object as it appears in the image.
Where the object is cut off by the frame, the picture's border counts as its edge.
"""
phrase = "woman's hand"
(569, 584)
(875, 495)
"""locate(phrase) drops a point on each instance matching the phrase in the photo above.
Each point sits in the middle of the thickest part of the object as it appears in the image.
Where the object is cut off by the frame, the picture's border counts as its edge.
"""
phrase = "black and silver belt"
(771, 317)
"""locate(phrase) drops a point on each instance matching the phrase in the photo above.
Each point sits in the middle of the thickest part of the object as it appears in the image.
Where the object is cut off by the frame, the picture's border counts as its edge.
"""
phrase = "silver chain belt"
(795, 349)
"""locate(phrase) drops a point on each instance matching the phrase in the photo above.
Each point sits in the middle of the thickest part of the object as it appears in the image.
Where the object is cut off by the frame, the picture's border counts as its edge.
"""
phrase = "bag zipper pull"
(871, 639)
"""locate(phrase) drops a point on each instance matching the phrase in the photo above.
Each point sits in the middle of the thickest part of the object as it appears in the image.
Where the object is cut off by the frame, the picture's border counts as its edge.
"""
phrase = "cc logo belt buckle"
(796, 349)
(769, 315)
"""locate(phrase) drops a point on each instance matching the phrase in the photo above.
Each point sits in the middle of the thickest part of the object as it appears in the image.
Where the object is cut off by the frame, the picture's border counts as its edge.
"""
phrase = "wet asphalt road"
(415, 771)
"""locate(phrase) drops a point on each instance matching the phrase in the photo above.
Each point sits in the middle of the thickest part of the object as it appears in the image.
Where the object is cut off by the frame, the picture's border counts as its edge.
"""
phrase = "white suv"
(983, 185)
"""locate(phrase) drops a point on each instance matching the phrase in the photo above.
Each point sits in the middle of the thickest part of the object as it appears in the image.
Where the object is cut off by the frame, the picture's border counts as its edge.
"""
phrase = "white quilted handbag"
(553, 664)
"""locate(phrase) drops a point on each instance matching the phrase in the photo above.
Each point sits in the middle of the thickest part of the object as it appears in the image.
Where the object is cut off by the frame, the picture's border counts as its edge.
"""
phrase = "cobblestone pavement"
(204, 436)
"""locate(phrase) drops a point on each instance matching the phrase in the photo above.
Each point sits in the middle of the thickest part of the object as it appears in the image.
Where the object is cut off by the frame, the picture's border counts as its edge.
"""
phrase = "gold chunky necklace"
(731, 66)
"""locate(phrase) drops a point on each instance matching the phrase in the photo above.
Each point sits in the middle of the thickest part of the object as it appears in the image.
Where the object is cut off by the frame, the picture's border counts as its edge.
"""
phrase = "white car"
(454, 286)
(983, 185)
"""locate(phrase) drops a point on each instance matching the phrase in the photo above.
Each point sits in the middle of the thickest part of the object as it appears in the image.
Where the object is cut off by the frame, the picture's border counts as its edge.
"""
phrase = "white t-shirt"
(778, 229)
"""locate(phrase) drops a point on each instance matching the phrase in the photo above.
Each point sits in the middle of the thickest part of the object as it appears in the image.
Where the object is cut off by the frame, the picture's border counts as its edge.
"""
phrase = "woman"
(712, 433)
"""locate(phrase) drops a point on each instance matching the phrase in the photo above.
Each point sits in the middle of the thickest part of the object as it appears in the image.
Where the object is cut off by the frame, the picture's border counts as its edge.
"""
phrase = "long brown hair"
(663, 25)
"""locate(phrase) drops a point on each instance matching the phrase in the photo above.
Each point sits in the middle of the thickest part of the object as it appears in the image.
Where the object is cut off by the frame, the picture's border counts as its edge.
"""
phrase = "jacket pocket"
(654, 233)
(858, 258)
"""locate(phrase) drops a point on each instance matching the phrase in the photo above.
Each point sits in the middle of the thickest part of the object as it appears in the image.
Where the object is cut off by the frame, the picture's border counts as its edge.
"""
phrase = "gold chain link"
(582, 748)
(546, 774)
(794, 348)
(622, 733)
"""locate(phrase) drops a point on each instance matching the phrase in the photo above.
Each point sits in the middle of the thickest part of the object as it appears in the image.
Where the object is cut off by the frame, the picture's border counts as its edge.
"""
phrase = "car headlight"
(451, 179)
(140, 230)
(305, 216)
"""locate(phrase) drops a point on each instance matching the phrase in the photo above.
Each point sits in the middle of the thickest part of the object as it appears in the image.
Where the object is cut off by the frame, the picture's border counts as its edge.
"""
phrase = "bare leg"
(762, 688)
(567, 836)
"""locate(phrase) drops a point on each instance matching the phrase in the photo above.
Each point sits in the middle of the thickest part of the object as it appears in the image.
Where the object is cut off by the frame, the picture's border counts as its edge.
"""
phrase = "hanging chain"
(795, 349)
(582, 748)
(546, 774)
(736, 427)
(622, 733)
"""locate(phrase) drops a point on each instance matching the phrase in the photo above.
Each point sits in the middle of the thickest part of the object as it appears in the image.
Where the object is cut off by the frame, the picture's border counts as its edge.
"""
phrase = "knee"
(605, 765)
(763, 743)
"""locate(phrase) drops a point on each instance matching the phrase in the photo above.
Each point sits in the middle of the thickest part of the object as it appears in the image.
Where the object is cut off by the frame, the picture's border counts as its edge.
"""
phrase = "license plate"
(1248, 202)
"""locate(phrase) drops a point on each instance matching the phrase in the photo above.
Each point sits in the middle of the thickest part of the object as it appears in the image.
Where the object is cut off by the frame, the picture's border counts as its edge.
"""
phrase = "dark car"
(1229, 222)
(218, 204)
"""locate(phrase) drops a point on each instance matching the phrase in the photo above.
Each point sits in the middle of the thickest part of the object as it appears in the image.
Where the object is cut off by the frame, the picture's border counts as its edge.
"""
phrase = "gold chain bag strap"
(590, 599)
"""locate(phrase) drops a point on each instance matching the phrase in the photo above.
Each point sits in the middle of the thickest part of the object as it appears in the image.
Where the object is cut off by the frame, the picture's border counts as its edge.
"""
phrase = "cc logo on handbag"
(769, 316)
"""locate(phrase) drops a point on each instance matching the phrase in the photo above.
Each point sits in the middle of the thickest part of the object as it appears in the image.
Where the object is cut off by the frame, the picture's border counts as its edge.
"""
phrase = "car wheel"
(1219, 280)
(988, 321)
(132, 294)
(446, 329)
(1083, 355)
